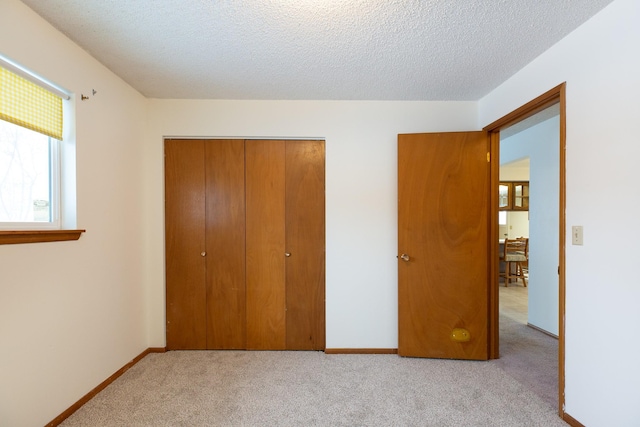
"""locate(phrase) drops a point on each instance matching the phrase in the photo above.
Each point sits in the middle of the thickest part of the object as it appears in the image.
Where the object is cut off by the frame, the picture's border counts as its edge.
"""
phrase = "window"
(29, 177)
(31, 135)
(502, 217)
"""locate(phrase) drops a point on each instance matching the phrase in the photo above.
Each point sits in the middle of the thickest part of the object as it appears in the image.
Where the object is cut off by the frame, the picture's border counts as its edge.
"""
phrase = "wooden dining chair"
(515, 256)
(525, 264)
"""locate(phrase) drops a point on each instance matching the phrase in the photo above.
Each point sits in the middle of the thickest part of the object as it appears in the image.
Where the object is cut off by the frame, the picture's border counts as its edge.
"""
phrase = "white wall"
(73, 313)
(600, 63)
(361, 194)
(512, 173)
(541, 144)
(518, 223)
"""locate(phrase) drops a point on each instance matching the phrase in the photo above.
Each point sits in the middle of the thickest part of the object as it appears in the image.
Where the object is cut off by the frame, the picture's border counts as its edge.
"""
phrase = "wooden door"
(225, 244)
(305, 245)
(185, 243)
(265, 192)
(443, 263)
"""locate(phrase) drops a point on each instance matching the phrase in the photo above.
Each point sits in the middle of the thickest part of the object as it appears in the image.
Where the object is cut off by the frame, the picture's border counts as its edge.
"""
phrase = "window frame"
(57, 228)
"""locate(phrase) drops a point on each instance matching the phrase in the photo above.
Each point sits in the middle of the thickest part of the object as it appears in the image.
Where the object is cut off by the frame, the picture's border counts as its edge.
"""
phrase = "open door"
(443, 226)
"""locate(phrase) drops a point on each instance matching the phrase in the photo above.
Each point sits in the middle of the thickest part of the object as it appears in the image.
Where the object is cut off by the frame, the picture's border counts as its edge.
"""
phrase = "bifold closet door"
(285, 245)
(225, 244)
(205, 238)
(184, 243)
(245, 253)
(265, 198)
(305, 244)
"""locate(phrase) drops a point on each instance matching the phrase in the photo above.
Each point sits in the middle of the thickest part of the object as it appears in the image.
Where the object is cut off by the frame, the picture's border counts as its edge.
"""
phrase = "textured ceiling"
(316, 49)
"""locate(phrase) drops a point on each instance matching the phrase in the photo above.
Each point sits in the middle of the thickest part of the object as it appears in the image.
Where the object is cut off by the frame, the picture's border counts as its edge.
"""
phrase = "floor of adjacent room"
(528, 355)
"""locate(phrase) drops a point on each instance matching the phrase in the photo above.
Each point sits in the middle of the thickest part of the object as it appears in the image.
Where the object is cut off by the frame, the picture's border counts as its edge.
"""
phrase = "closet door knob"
(203, 254)
(287, 254)
(405, 257)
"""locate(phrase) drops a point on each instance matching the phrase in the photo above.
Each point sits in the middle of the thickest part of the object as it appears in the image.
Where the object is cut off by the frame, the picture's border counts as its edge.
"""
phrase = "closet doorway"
(245, 244)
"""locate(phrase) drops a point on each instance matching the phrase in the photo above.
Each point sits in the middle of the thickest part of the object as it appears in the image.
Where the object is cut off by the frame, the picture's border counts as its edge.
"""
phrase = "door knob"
(405, 257)
(203, 254)
(287, 254)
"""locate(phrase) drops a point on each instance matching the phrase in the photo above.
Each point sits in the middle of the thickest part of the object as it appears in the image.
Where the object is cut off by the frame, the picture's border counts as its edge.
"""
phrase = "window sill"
(38, 236)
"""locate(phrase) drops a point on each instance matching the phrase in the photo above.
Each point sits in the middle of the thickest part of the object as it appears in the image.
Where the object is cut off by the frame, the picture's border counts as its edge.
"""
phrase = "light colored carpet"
(245, 388)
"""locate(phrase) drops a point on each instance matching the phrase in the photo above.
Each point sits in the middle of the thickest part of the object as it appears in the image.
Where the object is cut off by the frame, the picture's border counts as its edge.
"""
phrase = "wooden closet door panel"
(225, 240)
(184, 243)
(305, 241)
(265, 184)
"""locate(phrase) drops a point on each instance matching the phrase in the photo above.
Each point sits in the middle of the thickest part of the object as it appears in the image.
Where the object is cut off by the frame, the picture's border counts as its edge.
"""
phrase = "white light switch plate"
(576, 235)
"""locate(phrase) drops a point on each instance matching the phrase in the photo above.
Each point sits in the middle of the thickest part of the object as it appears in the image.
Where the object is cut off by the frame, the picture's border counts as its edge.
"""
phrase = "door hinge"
(488, 157)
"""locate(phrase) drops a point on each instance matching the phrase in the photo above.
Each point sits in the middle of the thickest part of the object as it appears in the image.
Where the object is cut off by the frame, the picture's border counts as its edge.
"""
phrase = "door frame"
(551, 97)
